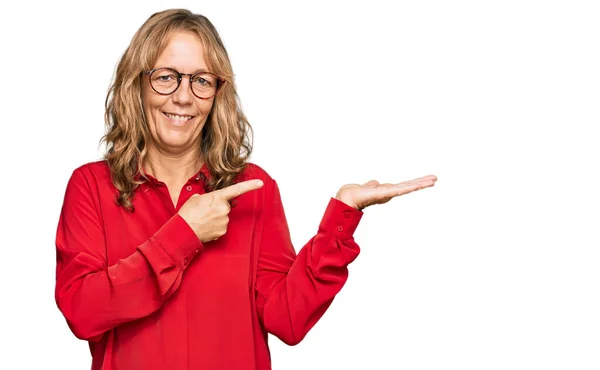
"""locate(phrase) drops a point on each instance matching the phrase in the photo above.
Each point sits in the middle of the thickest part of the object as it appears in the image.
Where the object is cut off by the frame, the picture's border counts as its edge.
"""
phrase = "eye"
(164, 76)
(204, 80)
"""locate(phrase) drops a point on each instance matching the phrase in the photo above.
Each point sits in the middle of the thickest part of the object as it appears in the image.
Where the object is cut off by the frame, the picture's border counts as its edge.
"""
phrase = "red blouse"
(147, 294)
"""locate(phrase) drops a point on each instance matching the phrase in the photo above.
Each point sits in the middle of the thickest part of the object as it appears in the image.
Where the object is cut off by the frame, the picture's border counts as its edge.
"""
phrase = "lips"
(178, 118)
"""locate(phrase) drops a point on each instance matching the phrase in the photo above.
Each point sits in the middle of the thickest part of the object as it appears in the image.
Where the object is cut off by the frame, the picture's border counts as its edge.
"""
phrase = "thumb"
(371, 183)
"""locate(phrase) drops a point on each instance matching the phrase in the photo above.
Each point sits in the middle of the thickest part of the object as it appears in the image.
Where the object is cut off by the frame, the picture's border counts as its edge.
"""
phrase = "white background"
(496, 267)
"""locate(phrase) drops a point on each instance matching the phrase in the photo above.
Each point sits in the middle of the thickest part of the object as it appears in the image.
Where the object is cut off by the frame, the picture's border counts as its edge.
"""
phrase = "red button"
(340, 228)
(347, 214)
(188, 188)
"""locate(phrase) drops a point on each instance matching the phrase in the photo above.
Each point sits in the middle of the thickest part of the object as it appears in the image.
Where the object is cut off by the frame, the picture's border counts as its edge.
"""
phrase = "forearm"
(297, 300)
(95, 298)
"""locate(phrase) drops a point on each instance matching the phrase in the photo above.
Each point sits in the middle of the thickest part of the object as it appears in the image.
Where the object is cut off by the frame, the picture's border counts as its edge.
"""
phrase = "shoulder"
(96, 173)
(254, 171)
(95, 167)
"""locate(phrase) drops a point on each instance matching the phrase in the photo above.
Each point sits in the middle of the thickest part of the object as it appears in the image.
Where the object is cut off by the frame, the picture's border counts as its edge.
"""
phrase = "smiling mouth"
(177, 118)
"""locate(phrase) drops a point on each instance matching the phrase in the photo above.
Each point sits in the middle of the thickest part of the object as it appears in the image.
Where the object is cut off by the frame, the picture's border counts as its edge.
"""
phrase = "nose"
(183, 95)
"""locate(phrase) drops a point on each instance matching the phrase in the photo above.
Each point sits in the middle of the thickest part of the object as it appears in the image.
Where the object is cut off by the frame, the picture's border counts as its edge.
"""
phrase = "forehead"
(184, 52)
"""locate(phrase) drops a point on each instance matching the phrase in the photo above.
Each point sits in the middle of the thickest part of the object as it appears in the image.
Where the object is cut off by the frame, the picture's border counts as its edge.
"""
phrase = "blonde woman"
(174, 251)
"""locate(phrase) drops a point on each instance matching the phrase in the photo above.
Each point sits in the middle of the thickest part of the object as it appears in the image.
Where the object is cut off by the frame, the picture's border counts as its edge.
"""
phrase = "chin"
(176, 140)
(179, 138)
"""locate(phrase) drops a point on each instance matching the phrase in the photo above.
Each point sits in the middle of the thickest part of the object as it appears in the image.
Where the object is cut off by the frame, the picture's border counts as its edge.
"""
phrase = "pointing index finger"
(238, 189)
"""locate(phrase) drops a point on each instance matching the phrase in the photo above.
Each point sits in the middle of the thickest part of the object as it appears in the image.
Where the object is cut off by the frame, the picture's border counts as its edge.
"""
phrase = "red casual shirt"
(147, 294)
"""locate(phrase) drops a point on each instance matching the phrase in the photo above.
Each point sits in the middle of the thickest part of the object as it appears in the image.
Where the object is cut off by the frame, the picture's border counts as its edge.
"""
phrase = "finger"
(238, 189)
(422, 180)
(383, 193)
(428, 178)
(408, 188)
(411, 183)
(388, 191)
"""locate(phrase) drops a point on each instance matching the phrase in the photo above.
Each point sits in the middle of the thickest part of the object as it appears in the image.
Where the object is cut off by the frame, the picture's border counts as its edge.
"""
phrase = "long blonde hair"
(226, 143)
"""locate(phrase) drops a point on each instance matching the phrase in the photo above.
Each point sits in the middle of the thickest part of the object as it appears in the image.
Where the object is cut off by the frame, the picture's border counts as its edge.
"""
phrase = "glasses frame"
(180, 78)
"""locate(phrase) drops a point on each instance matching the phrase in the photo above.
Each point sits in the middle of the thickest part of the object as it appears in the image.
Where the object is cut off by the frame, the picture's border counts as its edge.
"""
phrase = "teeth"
(178, 118)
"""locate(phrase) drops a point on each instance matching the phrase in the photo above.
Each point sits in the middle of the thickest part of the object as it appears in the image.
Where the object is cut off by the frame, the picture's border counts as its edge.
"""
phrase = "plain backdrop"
(496, 267)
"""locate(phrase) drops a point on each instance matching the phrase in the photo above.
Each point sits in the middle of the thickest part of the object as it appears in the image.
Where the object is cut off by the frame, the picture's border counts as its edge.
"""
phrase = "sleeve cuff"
(179, 241)
(340, 219)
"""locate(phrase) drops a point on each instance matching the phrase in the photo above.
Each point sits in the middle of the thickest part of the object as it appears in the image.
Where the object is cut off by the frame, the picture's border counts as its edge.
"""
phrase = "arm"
(293, 292)
(94, 297)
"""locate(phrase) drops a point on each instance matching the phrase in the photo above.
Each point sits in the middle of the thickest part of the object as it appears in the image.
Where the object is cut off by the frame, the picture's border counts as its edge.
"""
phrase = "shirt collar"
(201, 175)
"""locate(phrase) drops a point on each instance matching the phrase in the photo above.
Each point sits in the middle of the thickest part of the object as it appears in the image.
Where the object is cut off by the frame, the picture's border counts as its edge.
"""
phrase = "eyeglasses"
(165, 81)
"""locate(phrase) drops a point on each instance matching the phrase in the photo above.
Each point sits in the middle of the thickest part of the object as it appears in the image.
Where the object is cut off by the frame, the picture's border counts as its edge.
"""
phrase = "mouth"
(177, 118)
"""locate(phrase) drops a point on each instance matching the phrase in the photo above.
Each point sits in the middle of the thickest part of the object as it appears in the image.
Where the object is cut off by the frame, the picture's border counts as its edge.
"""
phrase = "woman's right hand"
(208, 214)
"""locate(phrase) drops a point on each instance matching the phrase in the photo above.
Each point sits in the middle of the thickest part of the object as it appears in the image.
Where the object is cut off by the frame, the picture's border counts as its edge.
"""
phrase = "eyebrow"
(196, 71)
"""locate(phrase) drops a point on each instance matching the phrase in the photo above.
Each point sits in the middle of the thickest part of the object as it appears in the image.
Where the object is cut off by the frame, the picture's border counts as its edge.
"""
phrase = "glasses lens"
(204, 85)
(164, 81)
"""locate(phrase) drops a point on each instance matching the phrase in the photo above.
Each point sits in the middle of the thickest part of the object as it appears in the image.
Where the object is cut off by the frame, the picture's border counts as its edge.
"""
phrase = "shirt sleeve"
(95, 297)
(294, 291)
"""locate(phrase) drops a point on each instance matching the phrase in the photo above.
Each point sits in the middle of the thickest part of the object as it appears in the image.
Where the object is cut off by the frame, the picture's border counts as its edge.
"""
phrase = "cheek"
(205, 107)
(152, 104)
(147, 103)
(150, 99)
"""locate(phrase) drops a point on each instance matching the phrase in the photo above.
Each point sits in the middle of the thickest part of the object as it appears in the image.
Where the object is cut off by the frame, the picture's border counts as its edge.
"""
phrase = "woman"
(155, 268)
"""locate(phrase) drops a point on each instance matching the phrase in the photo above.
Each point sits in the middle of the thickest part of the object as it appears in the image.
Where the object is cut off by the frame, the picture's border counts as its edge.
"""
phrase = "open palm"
(372, 192)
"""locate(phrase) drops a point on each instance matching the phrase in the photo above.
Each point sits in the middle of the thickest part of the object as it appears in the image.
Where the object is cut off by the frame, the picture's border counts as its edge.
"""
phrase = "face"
(176, 121)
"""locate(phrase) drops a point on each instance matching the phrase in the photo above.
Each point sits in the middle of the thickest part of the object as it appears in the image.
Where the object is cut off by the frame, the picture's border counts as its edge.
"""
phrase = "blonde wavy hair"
(226, 143)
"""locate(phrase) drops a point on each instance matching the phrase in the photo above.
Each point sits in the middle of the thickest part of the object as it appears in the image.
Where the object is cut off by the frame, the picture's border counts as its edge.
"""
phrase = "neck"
(172, 168)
